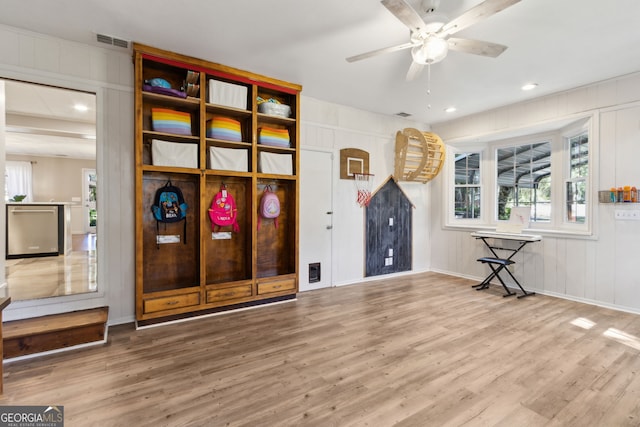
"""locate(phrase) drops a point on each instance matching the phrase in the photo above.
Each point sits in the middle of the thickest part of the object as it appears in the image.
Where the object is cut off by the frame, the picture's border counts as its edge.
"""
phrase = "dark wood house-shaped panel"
(388, 231)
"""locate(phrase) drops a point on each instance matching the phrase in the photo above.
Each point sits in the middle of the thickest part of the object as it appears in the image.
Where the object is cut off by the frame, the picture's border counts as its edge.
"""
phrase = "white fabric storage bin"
(230, 159)
(281, 164)
(164, 153)
(227, 94)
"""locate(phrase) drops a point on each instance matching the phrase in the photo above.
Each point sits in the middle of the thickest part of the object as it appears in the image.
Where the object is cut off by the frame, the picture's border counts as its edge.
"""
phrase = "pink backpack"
(223, 211)
(269, 206)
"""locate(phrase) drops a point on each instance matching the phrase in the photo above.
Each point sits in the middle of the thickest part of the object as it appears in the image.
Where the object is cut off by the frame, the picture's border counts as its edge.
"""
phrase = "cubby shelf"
(199, 268)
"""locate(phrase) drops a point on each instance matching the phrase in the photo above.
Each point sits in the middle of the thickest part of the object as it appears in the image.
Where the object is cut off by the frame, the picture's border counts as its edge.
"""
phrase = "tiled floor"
(43, 277)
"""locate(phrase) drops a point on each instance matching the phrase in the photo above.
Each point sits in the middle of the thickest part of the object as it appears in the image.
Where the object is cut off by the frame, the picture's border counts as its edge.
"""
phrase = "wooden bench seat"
(53, 332)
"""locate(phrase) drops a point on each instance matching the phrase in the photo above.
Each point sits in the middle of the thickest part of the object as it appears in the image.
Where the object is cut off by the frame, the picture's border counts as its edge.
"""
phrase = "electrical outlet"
(627, 214)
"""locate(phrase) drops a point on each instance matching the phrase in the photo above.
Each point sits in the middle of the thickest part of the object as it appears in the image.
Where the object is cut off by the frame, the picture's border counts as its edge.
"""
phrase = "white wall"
(333, 127)
(61, 180)
(29, 56)
(55, 178)
(3, 219)
(39, 58)
(600, 269)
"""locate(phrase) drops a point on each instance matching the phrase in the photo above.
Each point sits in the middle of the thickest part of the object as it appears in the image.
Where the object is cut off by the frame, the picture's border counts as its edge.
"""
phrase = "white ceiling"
(42, 121)
(559, 44)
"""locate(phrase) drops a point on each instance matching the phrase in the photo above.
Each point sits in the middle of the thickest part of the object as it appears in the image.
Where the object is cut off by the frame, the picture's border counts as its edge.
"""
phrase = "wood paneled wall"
(599, 269)
(38, 58)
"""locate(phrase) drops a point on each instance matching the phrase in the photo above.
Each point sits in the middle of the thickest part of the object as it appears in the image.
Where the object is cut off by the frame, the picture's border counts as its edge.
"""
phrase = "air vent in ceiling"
(402, 114)
(113, 41)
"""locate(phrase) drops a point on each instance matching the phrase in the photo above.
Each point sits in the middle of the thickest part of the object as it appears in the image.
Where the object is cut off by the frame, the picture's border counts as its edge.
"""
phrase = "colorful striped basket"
(274, 136)
(225, 128)
(170, 121)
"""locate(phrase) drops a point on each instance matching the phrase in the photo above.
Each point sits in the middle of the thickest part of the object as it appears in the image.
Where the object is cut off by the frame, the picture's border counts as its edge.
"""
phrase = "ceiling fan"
(431, 39)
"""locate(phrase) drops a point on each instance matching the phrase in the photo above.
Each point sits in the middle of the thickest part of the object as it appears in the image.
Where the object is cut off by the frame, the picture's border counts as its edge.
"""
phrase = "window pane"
(473, 165)
(461, 169)
(467, 186)
(579, 149)
(576, 202)
(520, 170)
(467, 168)
(541, 209)
(467, 202)
(506, 196)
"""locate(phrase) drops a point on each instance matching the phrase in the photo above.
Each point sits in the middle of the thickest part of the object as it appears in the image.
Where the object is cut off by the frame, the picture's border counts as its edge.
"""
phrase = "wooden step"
(54, 332)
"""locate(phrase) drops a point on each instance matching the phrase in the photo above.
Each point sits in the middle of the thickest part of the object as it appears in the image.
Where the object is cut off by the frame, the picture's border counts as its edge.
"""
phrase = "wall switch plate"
(627, 214)
(388, 261)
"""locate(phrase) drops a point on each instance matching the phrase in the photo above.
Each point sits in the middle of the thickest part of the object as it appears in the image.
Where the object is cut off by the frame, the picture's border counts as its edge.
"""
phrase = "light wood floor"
(422, 350)
(52, 276)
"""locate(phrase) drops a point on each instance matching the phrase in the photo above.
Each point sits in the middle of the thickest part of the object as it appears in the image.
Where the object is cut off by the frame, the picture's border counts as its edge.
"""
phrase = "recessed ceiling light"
(530, 86)
(81, 107)
(450, 109)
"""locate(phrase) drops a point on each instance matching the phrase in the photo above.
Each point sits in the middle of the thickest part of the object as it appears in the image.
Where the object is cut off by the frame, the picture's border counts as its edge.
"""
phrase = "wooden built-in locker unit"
(200, 274)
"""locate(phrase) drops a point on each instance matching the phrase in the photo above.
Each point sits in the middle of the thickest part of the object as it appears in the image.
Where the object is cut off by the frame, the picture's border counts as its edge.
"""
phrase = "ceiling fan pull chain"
(428, 83)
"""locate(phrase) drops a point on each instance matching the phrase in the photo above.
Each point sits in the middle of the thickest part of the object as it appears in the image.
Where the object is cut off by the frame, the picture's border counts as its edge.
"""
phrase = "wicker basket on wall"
(419, 155)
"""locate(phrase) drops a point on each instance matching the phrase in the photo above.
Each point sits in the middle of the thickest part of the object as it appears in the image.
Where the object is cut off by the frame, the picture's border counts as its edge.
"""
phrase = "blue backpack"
(169, 206)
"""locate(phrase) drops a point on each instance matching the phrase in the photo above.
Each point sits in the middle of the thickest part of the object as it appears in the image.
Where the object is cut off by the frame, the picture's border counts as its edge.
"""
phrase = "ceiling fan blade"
(476, 47)
(405, 13)
(473, 15)
(414, 71)
(380, 52)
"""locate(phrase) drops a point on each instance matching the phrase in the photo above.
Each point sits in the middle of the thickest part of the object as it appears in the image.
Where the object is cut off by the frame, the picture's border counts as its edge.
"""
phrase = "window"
(524, 179)
(576, 184)
(467, 185)
(17, 181)
(548, 171)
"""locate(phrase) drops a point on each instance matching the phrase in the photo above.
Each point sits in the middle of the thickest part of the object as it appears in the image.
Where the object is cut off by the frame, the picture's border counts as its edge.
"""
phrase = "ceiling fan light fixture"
(432, 50)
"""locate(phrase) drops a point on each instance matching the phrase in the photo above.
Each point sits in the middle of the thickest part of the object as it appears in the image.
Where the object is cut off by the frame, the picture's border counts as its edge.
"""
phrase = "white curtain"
(18, 180)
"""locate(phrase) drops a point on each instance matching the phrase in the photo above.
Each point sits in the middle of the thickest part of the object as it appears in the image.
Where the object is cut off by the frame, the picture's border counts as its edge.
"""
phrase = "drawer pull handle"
(174, 302)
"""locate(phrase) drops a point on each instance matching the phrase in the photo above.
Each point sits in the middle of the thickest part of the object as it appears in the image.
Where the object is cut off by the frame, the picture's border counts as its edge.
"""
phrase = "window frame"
(557, 133)
(467, 185)
(568, 133)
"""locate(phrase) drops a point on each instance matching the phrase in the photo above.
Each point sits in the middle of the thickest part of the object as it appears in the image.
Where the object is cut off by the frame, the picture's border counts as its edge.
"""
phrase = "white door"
(89, 189)
(316, 207)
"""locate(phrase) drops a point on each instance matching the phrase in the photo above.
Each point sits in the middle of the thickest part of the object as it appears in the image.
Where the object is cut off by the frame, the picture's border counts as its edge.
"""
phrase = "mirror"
(50, 191)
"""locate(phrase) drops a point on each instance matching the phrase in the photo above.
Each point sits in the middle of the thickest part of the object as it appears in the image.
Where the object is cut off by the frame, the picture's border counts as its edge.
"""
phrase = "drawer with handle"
(224, 294)
(171, 303)
(276, 286)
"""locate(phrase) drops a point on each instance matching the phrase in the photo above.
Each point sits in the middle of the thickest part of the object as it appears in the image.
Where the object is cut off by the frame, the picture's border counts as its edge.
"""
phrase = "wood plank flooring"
(421, 350)
(52, 276)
